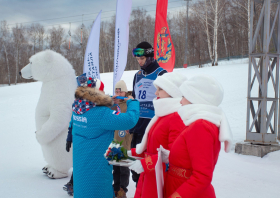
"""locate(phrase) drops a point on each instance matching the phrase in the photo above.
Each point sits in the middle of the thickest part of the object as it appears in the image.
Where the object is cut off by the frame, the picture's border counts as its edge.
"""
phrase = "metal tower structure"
(262, 106)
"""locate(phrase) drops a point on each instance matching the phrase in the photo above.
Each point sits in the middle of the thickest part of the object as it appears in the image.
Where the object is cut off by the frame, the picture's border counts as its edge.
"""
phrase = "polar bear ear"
(48, 56)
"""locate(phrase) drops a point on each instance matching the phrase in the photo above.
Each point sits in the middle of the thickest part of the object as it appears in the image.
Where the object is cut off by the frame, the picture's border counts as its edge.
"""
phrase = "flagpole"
(186, 39)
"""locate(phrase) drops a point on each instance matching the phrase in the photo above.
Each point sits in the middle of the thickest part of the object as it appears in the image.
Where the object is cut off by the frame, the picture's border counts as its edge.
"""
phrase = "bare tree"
(110, 44)
(103, 47)
(217, 28)
(201, 12)
(217, 9)
(213, 8)
(18, 40)
(80, 37)
(41, 37)
(33, 35)
(4, 35)
(56, 38)
(177, 26)
(244, 13)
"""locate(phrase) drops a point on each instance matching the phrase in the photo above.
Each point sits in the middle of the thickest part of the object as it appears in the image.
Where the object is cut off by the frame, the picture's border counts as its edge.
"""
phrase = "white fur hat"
(203, 89)
(121, 85)
(170, 82)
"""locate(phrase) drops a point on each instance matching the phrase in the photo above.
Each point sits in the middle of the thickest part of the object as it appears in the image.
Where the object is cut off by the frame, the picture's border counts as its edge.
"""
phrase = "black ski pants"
(121, 178)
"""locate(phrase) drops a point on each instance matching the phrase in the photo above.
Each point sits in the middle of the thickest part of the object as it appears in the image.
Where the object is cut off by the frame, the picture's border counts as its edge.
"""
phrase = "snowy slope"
(21, 160)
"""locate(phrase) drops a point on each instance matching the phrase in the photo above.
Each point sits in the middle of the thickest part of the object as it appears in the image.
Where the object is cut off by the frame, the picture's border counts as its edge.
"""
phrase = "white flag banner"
(91, 60)
(121, 38)
(159, 175)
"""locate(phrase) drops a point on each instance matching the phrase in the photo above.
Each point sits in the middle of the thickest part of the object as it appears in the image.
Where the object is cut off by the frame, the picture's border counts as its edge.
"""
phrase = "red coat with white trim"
(197, 150)
(164, 132)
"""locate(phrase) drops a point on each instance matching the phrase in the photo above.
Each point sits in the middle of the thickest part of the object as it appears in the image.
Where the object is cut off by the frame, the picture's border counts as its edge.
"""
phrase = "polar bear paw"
(46, 169)
(55, 174)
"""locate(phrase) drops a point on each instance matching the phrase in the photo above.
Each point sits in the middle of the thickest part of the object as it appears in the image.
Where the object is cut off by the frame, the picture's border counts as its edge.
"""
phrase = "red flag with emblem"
(164, 50)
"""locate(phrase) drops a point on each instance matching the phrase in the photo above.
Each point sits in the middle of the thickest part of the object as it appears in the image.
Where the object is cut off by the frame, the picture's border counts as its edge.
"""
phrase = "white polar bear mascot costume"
(54, 108)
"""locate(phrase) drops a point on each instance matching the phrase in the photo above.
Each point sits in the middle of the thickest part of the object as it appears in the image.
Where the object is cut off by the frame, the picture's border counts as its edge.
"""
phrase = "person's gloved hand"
(129, 153)
(136, 166)
(164, 154)
(128, 98)
(68, 146)
(116, 101)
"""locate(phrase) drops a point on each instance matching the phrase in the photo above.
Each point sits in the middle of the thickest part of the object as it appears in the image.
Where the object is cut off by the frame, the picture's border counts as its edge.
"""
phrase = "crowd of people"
(164, 110)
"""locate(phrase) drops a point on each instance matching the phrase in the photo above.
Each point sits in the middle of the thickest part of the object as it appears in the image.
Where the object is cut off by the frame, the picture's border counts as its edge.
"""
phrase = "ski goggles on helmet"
(138, 52)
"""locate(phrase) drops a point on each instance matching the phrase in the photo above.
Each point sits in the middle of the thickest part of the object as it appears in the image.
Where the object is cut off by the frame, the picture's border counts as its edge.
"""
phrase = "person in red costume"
(163, 129)
(195, 152)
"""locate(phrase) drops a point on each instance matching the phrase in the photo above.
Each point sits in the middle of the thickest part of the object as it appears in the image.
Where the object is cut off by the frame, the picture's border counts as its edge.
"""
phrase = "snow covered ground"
(235, 176)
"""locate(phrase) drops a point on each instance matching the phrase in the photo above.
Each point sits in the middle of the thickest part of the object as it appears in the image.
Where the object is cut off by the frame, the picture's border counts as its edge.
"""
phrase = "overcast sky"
(22, 11)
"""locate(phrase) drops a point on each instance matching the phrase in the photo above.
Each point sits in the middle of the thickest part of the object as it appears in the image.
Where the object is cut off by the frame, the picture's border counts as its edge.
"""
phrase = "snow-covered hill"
(235, 176)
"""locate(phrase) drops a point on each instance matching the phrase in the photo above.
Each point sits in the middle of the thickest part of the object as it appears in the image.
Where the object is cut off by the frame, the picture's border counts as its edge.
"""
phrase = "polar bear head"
(46, 66)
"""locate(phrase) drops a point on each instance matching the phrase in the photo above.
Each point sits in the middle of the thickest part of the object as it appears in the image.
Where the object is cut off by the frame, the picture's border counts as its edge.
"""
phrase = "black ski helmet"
(145, 45)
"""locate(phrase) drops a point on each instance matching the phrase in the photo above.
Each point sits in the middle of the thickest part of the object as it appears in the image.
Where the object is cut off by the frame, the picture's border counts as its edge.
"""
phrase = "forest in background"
(216, 29)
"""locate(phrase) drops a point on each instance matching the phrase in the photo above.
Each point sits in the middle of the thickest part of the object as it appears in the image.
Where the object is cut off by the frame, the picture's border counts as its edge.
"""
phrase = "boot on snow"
(70, 191)
(66, 186)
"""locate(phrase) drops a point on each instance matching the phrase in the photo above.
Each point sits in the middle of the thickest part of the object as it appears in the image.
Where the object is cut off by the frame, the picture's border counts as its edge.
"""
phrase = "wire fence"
(219, 59)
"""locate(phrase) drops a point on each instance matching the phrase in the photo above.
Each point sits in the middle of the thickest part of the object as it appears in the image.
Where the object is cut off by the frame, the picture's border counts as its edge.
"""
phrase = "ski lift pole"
(82, 29)
(69, 32)
(186, 39)
(82, 38)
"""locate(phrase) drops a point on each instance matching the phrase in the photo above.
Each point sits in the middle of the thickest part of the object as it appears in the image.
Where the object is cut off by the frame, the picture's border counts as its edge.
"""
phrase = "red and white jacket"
(195, 152)
(163, 129)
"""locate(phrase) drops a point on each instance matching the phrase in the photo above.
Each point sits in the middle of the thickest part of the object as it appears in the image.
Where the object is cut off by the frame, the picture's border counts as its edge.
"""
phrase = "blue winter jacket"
(93, 132)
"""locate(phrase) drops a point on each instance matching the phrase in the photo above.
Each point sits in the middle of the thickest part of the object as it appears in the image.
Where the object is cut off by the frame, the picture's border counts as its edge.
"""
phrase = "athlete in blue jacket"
(144, 91)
